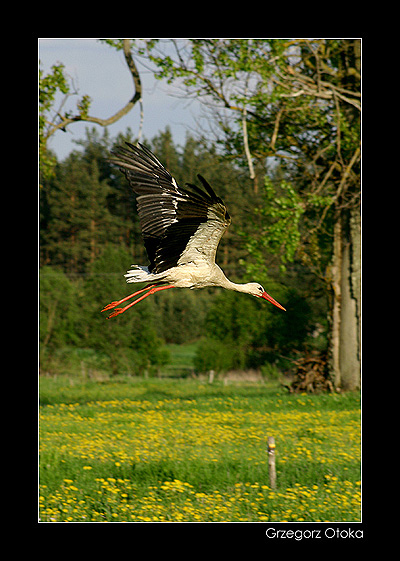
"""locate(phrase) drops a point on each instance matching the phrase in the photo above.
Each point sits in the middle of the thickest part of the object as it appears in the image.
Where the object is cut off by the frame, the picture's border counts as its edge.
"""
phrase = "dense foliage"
(90, 235)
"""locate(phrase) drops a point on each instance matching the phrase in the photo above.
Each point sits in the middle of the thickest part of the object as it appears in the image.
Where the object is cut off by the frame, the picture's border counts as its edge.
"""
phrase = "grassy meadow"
(136, 450)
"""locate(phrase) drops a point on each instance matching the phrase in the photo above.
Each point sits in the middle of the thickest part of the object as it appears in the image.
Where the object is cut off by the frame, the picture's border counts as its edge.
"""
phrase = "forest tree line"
(90, 235)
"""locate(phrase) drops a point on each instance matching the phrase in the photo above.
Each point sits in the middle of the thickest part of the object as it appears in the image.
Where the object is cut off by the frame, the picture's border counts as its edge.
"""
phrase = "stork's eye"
(260, 288)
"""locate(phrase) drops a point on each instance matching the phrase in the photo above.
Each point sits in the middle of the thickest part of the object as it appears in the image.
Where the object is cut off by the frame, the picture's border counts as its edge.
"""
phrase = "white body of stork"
(181, 230)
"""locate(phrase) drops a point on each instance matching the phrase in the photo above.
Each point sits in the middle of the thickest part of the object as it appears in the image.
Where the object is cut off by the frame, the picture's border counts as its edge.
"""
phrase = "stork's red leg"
(113, 304)
(152, 290)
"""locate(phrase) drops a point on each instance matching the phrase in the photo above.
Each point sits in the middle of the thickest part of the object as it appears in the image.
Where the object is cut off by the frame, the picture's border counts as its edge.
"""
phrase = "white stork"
(181, 230)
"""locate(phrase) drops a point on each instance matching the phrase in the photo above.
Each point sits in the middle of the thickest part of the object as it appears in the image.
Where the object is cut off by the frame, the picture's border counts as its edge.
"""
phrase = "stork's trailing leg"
(113, 304)
(152, 288)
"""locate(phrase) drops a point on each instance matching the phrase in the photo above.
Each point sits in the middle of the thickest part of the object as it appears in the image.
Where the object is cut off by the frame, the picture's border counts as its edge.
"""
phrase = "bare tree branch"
(246, 146)
(276, 128)
(81, 116)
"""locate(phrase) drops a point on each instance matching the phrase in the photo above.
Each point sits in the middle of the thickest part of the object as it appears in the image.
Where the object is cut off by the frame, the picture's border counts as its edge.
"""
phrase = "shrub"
(213, 355)
(59, 302)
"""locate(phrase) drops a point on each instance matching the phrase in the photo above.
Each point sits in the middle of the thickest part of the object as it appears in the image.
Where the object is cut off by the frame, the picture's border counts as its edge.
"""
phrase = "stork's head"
(257, 290)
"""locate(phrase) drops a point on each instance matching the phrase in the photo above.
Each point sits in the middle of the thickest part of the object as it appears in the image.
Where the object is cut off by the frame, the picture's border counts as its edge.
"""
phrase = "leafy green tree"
(296, 102)
(131, 340)
(214, 355)
(59, 303)
(53, 119)
(49, 86)
(181, 315)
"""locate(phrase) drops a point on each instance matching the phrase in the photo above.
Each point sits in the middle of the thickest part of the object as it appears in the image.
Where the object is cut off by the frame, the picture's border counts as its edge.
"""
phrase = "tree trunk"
(346, 305)
(355, 233)
(336, 283)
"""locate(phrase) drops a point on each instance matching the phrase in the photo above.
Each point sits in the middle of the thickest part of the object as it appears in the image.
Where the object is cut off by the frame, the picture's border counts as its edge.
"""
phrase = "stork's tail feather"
(138, 274)
(141, 274)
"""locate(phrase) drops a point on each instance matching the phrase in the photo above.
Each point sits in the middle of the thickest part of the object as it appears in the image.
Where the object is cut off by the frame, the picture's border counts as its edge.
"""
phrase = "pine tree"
(164, 148)
(77, 219)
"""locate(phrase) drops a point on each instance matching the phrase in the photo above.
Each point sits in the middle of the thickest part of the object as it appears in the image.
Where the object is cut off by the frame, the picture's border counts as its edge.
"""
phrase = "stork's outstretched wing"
(178, 225)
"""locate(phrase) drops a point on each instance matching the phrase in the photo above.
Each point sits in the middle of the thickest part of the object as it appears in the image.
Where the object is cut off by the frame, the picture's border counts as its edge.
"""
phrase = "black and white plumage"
(181, 230)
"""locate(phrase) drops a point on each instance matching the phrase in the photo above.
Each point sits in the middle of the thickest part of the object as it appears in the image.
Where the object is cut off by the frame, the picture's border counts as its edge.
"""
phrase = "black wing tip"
(209, 195)
(209, 189)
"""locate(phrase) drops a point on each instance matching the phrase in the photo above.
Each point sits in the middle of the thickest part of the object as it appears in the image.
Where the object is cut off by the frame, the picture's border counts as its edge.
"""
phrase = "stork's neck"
(219, 279)
(239, 287)
(226, 283)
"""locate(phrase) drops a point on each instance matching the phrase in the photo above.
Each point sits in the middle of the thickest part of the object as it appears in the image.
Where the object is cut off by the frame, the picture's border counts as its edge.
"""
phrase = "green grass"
(182, 450)
(181, 359)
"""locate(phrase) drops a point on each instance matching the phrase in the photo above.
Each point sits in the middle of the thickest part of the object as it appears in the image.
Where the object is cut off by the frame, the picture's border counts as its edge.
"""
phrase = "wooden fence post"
(271, 462)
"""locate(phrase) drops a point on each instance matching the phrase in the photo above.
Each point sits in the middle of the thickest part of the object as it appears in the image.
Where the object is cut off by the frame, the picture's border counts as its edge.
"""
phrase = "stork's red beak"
(266, 296)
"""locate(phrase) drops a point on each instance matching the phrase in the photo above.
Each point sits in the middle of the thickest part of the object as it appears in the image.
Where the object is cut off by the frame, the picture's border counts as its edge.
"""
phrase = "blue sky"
(100, 72)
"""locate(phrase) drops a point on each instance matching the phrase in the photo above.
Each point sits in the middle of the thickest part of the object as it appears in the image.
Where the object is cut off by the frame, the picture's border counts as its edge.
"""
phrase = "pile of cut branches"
(310, 374)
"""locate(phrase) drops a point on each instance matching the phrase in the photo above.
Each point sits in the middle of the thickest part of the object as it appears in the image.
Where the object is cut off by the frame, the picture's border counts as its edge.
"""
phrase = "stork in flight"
(181, 230)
